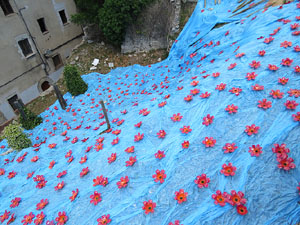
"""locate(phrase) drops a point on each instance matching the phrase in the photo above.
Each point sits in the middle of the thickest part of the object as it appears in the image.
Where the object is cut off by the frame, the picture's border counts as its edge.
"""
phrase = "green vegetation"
(112, 16)
(73, 80)
(15, 137)
(31, 120)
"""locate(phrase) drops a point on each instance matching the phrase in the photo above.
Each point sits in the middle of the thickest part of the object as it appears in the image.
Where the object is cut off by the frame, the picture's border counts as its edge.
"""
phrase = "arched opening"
(45, 85)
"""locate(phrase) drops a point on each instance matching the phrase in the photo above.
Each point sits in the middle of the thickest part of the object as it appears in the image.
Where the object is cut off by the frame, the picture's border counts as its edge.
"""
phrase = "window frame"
(64, 17)
(61, 64)
(26, 45)
(42, 24)
(6, 7)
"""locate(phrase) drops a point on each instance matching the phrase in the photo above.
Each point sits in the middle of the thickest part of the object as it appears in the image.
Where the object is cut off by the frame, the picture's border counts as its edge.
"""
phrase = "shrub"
(73, 80)
(15, 136)
(31, 120)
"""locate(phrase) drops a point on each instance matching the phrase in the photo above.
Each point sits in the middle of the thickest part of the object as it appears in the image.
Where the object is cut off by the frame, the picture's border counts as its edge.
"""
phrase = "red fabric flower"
(251, 76)
(268, 40)
(262, 52)
(297, 69)
(61, 174)
(83, 159)
(185, 129)
(273, 67)
(115, 141)
(138, 137)
(138, 125)
(291, 104)
(217, 74)
(160, 154)
(202, 181)
(228, 170)
(283, 80)
(231, 108)
(176, 117)
(264, 104)
(59, 186)
(188, 98)
(286, 62)
(195, 91)
(257, 87)
(74, 195)
(131, 161)
(209, 142)
(254, 64)
(205, 95)
(207, 120)
(123, 182)
(231, 66)
(285, 162)
(276, 94)
(229, 147)
(95, 198)
(286, 44)
(252, 129)
(255, 150)
(112, 157)
(149, 206)
(11, 174)
(15, 202)
(39, 219)
(100, 181)
(129, 149)
(185, 144)
(220, 198)
(28, 218)
(181, 196)
(62, 218)
(297, 48)
(242, 210)
(104, 220)
(2, 171)
(42, 204)
(161, 134)
(296, 116)
(237, 198)
(159, 176)
(294, 92)
(235, 91)
(84, 171)
(221, 87)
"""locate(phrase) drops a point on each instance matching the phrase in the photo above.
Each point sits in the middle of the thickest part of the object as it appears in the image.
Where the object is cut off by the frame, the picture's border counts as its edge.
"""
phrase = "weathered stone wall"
(153, 27)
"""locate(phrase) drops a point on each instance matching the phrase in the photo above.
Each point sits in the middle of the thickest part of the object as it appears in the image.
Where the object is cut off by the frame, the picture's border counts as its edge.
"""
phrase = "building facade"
(36, 37)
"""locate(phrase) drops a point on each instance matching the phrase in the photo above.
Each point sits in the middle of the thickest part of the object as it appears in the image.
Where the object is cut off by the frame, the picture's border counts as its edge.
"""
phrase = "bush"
(15, 137)
(116, 15)
(88, 11)
(73, 80)
(31, 121)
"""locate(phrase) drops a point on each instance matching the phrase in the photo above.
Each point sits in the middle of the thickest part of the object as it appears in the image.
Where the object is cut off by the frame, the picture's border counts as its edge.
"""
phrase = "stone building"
(36, 37)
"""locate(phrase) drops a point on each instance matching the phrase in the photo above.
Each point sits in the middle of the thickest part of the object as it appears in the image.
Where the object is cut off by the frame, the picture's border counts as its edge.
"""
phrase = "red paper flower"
(286, 44)
(62, 218)
(217, 74)
(221, 87)
(112, 158)
(149, 206)
(160, 154)
(257, 87)
(42, 204)
(162, 104)
(231, 66)
(138, 137)
(268, 40)
(2, 171)
(262, 52)
(176, 117)
(28, 218)
(194, 83)
(185, 129)
(131, 161)
(202, 181)
(103, 220)
(242, 210)
(11, 174)
(255, 150)
(220, 199)
(61, 174)
(254, 64)
(52, 145)
(84, 171)
(294, 92)
(239, 55)
(83, 159)
(283, 80)
(74, 195)
(264, 104)
(59, 186)
(138, 125)
(69, 153)
(252, 129)
(39, 219)
(231, 108)
(123, 182)
(161, 134)
(115, 141)
(15, 202)
(276, 94)
(228, 170)
(207, 120)
(100, 181)
(195, 91)
(286, 62)
(235, 91)
(181, 196)
(185, 144)
(159, 176)
(95, 198)
(205, 95)
(229, 147)
(129, 149)
(285, 162)
(291, 104)
(237, 198)
(34, 159)
(209, 142)
(296, 116)
(251, 76)
(297, 69)
(51, 164)
(188, 98)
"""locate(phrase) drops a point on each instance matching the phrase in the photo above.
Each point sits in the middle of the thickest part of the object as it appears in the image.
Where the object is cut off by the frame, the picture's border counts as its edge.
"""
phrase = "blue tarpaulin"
(152, 95)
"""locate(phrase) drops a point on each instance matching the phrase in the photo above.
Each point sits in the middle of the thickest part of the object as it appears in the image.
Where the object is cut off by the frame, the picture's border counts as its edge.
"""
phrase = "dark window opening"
(6, 7)
(63, 16)
(45, 85)
(42, 25)
(57, 61)
(12, 100)
(25, 47)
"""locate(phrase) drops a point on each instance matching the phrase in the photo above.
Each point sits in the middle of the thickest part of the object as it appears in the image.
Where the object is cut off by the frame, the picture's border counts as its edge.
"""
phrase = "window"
(57, 61)
(6, 7)
(25, 47)
(63, 16)
(12, 100)
(42, 25)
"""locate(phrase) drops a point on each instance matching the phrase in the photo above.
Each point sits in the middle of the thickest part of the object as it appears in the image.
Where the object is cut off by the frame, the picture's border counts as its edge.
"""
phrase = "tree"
(73, 80)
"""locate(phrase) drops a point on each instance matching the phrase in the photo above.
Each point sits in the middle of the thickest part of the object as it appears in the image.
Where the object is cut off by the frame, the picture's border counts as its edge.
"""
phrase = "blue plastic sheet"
(199, 51)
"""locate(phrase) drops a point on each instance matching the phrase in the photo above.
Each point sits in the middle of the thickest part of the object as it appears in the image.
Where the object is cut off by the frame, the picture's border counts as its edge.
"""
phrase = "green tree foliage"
(15, 137)
(113, 16)
(73, 80)
(31, 120)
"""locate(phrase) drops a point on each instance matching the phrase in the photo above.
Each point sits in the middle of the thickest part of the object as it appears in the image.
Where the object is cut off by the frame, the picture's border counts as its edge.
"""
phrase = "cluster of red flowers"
(284, 162)
(41, 182)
